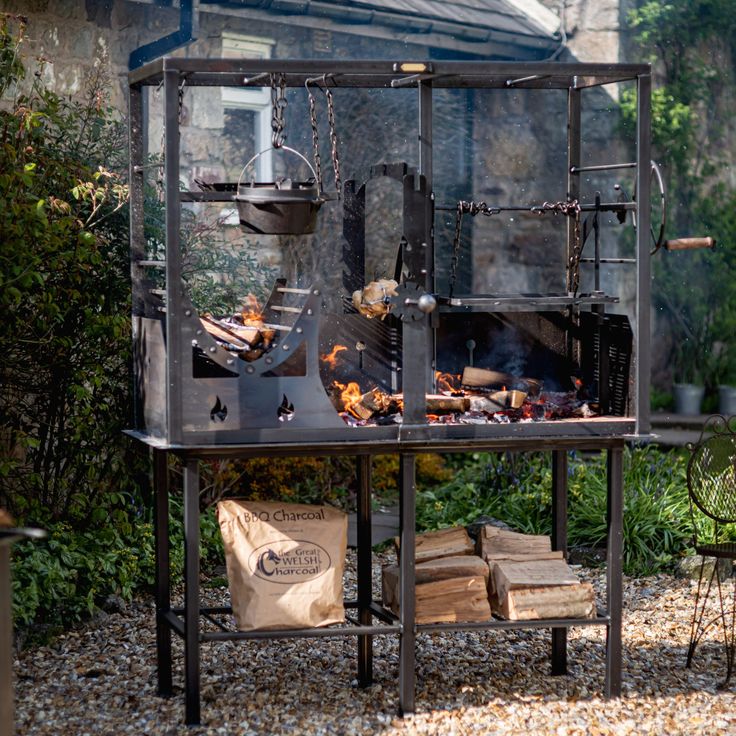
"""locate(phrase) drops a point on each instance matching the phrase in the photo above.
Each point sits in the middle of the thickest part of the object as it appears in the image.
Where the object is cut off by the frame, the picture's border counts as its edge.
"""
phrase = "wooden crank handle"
(690, 243)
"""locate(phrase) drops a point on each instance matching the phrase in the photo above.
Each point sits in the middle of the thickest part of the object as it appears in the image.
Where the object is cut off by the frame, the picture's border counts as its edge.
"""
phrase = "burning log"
(245, 333)
(497, 401)
(483, 378)
(448, 589)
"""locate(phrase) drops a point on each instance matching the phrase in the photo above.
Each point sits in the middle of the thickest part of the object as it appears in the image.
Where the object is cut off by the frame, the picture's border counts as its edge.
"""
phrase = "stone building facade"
(517, 139)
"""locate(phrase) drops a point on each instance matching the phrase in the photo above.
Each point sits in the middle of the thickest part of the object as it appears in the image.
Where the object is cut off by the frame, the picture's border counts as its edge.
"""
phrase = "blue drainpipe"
(188, 27)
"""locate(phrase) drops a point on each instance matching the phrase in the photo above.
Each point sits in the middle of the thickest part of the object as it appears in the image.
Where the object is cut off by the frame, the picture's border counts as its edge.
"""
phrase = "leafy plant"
(692, 46)
(64, 296)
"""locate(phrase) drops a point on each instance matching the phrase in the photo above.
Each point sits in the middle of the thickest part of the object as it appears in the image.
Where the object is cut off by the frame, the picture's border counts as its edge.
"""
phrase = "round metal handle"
(281, 148)
(426, 303)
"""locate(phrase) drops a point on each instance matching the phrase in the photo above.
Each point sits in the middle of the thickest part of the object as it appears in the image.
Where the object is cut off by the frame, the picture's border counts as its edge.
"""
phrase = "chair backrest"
(711, 471)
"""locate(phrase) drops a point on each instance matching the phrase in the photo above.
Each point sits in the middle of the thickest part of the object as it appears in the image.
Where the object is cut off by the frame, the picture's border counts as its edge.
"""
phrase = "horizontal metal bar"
(281, 328)
(538, 210)
(215, 622)
(601, 167)
(154, 264)
(525, 624)
(300, 633)
(278, 308)
(207, 196)
(158, 292)
(530, 78)
(292, 290)
(608, 260)
(380, 72)
(498, 302)
(173, 621)
(382, 613)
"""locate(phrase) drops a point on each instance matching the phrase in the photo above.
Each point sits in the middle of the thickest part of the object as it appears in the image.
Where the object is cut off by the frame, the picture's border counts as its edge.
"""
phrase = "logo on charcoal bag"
(282, 562)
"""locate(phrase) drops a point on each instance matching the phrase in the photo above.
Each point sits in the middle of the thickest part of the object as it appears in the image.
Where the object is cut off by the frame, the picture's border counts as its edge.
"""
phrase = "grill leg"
(365, 570)
(407, 644)
(614, 584)
(559, 541)
(191, 592)
(163, 584)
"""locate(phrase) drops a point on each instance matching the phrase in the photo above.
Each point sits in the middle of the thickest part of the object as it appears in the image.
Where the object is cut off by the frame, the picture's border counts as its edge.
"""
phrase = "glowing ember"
(331, 357)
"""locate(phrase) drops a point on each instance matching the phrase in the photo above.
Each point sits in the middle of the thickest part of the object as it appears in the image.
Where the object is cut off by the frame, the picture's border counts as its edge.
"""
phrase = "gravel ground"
(101, 679)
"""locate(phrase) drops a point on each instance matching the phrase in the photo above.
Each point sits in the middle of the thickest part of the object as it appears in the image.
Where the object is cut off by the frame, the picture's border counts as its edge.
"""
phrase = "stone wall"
(516, 155)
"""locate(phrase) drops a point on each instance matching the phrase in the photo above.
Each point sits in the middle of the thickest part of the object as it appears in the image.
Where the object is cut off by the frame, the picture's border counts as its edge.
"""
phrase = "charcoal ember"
(388, 420)
(472, 417)
(500, 418)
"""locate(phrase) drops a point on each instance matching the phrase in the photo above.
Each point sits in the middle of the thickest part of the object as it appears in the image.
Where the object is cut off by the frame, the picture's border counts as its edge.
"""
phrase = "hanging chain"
(278, 107)
(471, 208)
(569, 208)
(333, 140)
(180, 104)
(315, 136)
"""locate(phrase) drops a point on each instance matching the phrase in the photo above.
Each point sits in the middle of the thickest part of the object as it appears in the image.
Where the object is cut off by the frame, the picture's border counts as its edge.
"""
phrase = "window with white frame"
(247, 110)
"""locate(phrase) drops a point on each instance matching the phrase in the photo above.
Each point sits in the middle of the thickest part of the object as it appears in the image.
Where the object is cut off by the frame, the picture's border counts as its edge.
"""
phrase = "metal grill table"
(187, 621)
(200, 399)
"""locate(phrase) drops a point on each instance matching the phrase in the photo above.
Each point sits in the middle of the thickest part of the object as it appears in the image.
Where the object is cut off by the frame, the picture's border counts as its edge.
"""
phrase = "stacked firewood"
(530, 580)
(451, 582)
(244, 334)
(512, 575)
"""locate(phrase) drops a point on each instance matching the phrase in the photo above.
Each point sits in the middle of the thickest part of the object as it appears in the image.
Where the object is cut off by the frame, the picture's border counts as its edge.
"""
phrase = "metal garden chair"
(711, 480)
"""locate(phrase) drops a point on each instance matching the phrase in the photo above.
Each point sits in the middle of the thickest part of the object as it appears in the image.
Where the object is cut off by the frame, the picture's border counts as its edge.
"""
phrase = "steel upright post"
(191, 591)
(643, 259)
(559, 541)
(407, 601)
(163, 582)
(614, 585)
(365, 571)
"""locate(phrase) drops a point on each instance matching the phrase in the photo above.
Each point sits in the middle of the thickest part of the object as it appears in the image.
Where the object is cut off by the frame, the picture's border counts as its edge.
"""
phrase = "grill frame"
(161, 417)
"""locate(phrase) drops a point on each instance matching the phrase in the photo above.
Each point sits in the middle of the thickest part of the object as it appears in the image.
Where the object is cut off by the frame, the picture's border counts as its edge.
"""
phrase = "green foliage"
(692, 46)
(68, 576)
(516, 488)
(64, 297)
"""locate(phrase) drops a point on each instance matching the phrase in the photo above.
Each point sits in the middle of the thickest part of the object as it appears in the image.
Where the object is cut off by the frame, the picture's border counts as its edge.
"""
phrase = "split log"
(507, 575)
(555, 601)
(484, 378)
(494, 541)
(377, 402)
(497, 401)
(442, 543)
(224, 334)
(447, 590)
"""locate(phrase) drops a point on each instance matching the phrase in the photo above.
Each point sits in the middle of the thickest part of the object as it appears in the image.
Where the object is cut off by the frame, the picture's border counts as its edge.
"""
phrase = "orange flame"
(447, 382)
(331, 357)
(350, 395)
(251, 311)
